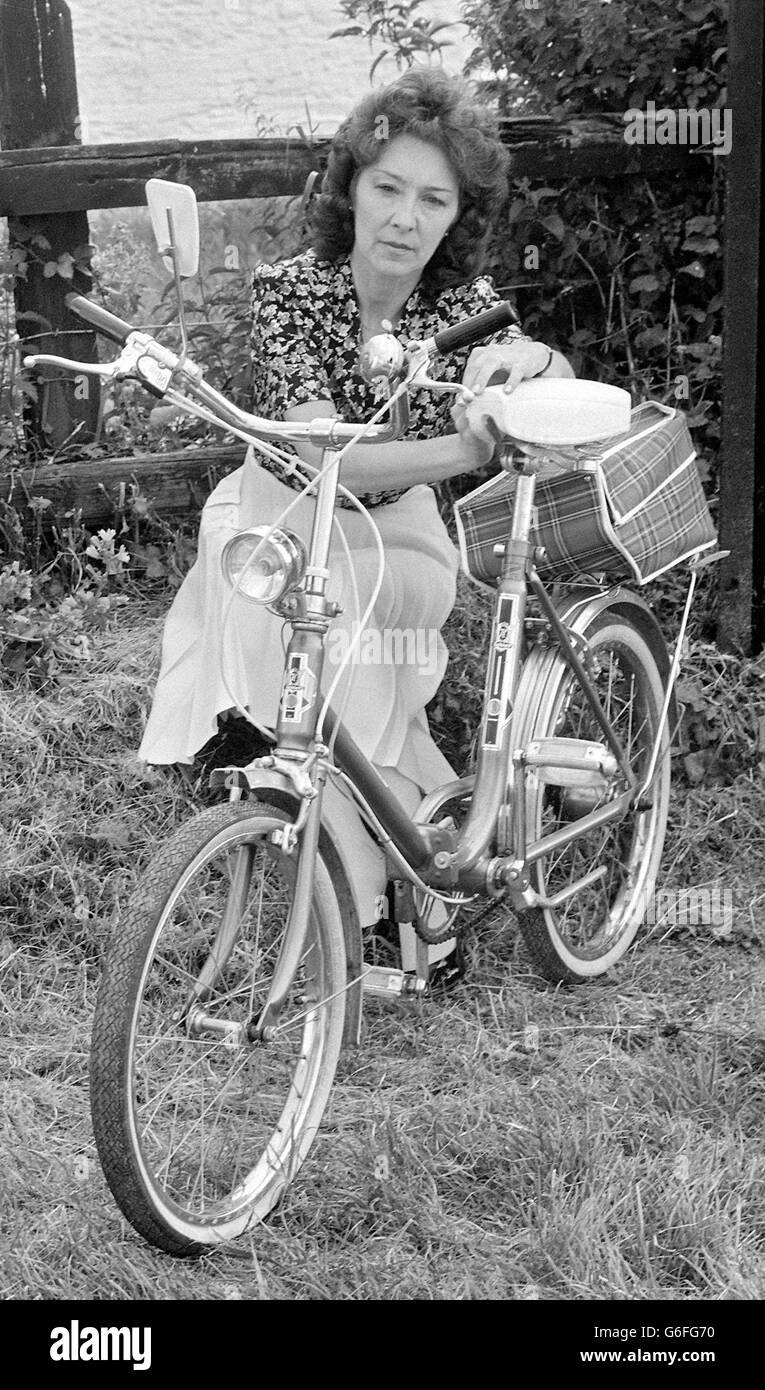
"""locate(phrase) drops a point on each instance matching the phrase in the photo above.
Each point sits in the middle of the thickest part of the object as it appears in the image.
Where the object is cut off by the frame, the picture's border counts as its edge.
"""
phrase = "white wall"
(163, 69)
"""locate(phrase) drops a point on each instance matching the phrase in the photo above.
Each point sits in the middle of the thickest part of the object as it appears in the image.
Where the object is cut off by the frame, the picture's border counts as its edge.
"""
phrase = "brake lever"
(139, 360)
(417, 373)
(44, 359)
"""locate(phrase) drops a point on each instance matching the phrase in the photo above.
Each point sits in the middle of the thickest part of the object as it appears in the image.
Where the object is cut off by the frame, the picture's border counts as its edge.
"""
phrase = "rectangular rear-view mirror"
(175, 223)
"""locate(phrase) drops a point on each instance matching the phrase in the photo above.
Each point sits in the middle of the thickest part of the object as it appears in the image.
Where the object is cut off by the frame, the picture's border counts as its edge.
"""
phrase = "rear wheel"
(198, 1128)
(584, 935)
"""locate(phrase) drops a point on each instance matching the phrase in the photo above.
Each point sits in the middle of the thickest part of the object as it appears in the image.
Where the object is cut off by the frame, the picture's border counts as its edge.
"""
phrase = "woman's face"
(404, 204)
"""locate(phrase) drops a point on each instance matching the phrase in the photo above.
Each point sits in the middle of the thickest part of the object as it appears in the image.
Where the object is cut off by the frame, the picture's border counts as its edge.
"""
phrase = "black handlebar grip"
(474, 329)
(106, 323)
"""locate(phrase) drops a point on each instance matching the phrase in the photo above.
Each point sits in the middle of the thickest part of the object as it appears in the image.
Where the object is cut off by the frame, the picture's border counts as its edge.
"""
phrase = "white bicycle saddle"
(555, 411)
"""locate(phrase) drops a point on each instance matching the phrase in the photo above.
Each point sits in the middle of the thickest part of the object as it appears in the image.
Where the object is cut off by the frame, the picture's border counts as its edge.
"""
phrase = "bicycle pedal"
(383, 982)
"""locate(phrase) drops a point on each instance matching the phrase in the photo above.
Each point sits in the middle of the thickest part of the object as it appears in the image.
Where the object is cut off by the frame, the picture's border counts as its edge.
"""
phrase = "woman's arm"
(404, 462)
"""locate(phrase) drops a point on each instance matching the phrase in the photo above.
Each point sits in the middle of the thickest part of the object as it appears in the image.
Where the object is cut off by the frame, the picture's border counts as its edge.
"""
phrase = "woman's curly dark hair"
(441, 110)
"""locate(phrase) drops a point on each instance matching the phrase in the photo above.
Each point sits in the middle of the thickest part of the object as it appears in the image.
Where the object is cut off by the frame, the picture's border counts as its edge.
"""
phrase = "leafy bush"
(13, 385)
(122, 270)
(49, 612)
(407, 36)
(583, 56)
(62, 585)
(628, 285)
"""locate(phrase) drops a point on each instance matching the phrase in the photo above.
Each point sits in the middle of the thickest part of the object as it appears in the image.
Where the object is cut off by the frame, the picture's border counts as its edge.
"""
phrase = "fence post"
(742, 474)
(38, 107)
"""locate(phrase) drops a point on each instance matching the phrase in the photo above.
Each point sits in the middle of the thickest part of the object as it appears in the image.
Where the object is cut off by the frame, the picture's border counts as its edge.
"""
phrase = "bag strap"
(627, 441)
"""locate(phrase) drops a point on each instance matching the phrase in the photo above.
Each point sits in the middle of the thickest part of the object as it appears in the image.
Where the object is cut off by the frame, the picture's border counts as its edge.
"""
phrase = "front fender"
(268, 785)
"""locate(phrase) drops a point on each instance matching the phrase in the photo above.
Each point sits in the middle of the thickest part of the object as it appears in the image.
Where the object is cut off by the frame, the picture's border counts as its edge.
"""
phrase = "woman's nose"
(404, 214)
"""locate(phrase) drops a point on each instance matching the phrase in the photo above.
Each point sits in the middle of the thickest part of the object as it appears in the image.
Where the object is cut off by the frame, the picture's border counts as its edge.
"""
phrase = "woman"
(415, 181)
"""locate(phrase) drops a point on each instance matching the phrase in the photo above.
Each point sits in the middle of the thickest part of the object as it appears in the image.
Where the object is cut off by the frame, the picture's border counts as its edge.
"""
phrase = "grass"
(515, 1141)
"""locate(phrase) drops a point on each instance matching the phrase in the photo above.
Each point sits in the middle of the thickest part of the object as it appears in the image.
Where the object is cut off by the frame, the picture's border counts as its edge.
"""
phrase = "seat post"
(516, 549)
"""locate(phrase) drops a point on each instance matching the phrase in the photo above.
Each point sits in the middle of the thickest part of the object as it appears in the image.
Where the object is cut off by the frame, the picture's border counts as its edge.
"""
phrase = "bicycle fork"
(295, 741)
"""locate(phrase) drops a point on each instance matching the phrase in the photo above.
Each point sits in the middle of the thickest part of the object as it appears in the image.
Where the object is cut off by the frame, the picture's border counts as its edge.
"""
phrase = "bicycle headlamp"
(263, 571)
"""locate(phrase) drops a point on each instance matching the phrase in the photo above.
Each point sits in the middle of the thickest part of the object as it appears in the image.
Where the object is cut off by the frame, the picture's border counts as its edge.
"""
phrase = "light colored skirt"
(217, 652)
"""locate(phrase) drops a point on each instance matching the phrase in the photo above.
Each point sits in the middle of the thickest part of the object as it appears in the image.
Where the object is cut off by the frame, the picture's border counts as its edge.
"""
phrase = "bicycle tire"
(586, 935)
(189, 1157)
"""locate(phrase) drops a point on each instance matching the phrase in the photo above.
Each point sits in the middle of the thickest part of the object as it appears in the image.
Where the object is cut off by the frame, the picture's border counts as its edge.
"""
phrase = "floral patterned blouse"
(306, 335)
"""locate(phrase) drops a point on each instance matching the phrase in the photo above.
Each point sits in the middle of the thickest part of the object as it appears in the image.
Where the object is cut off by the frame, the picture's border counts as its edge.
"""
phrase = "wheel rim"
(220, 1124)
(597, 918)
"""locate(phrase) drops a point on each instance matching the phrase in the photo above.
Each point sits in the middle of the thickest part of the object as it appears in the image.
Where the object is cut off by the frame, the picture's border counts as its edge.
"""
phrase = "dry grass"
(614, 1154)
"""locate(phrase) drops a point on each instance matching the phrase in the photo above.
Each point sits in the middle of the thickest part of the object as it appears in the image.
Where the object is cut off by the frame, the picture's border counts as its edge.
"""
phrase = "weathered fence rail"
(78, 178)
(84, 177)
(174, 482)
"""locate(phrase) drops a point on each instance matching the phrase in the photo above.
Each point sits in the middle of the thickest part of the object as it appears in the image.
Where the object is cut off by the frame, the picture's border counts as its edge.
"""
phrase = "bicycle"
(237, 970)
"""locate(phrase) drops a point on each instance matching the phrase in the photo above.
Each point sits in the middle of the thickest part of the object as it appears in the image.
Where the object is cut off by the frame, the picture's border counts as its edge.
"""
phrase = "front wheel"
(198, 1128)
(588, 932)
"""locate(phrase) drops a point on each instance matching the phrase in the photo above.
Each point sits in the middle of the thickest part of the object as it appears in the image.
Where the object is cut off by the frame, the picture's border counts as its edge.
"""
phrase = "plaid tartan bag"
(630, 507)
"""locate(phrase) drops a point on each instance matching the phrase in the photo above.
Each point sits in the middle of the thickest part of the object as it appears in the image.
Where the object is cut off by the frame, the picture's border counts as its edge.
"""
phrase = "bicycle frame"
(489, 854)
(475, 858)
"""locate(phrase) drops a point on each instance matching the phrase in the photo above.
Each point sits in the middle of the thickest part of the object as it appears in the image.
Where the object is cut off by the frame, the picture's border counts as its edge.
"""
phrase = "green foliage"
(50, 610)
(30, 247)
(62, 585)
(407, 37)
(21, 248)
(14, 387)
(580, 56)
(122, 270)
(627, 281)
(625, 276)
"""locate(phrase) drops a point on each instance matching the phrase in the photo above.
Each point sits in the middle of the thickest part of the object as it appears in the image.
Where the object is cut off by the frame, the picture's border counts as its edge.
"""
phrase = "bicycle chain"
(444, 932)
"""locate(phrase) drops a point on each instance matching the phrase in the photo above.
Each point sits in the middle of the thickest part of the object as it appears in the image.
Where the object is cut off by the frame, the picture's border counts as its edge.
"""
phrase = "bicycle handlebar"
(154, 365)
(473, 329)
(109, 324)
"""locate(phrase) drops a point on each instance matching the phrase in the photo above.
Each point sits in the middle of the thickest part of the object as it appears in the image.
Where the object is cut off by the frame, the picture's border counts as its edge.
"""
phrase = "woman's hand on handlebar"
(511, 363)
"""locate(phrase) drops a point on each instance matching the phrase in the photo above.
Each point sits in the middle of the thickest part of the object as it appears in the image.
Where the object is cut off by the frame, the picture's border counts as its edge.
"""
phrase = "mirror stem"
(171, 251)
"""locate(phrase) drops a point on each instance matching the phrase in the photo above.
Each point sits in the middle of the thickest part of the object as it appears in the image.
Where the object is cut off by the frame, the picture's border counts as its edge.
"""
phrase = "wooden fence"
(49, 182)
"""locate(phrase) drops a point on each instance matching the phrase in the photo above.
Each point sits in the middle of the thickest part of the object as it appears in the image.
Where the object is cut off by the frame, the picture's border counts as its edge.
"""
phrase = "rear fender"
(579, 610)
